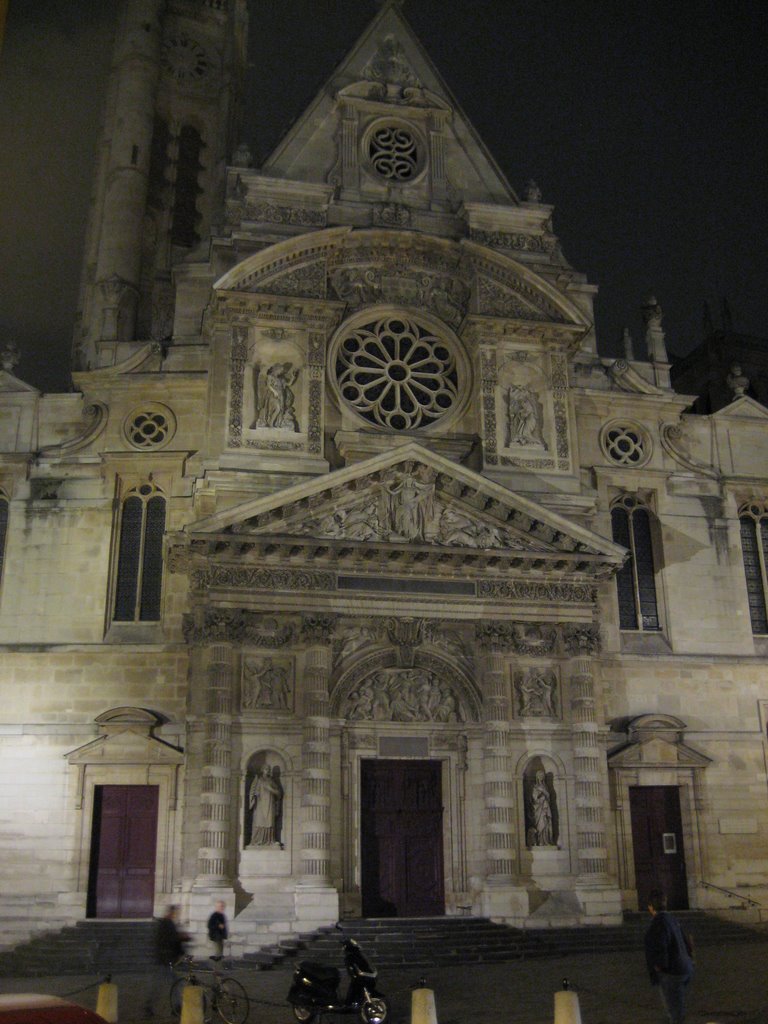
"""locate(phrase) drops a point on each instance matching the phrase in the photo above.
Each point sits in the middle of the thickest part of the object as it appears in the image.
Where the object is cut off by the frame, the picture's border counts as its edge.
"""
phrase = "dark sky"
(645, 125)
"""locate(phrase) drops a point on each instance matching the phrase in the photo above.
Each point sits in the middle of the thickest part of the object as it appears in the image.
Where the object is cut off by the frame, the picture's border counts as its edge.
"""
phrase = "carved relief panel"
(275, 389)
(524, 408)
(268, 682)
(536, 692)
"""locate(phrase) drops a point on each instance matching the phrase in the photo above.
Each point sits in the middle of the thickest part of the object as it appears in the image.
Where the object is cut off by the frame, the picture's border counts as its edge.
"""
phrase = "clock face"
(186, 60)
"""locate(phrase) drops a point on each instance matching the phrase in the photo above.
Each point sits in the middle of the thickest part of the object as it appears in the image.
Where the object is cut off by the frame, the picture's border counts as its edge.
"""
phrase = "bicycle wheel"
(177, 994)
(232, 1003)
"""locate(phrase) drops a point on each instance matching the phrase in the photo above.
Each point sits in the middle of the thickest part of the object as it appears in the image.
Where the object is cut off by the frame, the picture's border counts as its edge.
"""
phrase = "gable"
(387, 81)
(413, 498)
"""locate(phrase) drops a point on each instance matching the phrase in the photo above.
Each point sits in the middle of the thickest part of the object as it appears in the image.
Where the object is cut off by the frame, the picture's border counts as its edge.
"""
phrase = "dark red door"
(122, 878)
(402, 839)
(657, 837)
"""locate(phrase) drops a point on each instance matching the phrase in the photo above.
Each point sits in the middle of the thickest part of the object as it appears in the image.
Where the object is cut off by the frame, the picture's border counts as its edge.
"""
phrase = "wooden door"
(122, 876)
(657, 837)
(402, 839)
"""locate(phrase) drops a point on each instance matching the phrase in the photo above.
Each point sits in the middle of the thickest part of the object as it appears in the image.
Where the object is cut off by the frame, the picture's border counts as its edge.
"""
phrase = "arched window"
(140, 556)
(636, 582)
(4, 508)
(185, 214)
(753, 519)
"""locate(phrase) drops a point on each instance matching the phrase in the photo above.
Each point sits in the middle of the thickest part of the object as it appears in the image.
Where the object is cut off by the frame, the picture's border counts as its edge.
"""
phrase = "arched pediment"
(656, 741)
(382, 265)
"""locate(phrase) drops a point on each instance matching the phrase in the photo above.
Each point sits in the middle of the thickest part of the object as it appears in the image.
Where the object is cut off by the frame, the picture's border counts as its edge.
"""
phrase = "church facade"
(351, 580)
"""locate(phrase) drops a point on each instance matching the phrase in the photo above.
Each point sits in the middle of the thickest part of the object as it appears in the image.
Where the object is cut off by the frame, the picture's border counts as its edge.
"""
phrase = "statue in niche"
(265, 685)
(410, 502)
(525, 417)
(541, 831)
(274, 400)
(265, 802)
(536, 690)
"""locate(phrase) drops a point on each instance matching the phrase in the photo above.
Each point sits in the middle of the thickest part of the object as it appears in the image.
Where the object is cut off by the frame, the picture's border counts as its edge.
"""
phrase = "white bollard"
(567, 1006)
(192, 1005)
(106, 1002)
(423, 1005)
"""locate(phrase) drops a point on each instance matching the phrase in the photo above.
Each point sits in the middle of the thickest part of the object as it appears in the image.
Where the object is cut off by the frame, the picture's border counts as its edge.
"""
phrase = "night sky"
(645, 126)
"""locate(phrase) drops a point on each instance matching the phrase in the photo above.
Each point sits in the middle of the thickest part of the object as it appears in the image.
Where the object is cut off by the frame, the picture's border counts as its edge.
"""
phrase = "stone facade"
(387, 469)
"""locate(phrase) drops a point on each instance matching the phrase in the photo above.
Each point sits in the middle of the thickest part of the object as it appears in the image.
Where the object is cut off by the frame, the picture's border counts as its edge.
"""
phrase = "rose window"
(393, 152)
(625, 444)
(396, 373)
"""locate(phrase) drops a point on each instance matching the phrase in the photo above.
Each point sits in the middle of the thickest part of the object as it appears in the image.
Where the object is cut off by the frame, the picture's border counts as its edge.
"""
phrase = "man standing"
(217, 929)
(168, 949)
(668, 955)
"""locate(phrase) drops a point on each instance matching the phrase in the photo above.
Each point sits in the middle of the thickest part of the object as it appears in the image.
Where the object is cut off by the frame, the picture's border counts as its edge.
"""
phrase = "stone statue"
(532, 192)
(525, 417)
(540, 808)
(265, 800)
(457, 528)
(274, 401)
(410, 504)
(737, 382)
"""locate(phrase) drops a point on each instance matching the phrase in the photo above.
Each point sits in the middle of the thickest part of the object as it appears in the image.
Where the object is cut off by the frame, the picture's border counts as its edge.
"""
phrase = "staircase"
(121, 947)
(89, 947)
(443, 941)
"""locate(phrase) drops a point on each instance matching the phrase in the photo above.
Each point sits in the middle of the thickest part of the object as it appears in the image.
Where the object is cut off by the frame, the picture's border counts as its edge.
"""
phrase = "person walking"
(668, 954)
(168, 949)
(217, 929)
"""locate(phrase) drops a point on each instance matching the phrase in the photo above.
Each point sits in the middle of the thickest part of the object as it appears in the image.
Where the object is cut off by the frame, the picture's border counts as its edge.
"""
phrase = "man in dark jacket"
(168, 949)
(668, 955)
(217, 929)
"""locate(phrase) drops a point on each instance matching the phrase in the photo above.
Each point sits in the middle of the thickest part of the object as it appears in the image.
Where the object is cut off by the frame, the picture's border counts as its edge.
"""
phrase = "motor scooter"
(315, 988)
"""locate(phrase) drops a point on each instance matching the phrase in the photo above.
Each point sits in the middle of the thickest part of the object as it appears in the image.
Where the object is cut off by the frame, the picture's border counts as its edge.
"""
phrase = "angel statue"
(274, 400)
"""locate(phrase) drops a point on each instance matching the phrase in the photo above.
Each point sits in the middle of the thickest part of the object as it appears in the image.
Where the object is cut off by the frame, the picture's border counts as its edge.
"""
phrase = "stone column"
(590, 768)
(498, 784)
(316, 760)
(317, 902)
(213, 868)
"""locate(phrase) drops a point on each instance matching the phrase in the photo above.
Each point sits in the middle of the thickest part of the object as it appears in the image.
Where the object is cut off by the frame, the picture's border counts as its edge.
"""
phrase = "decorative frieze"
(514, 241)
(256, 578)
(523, 590)
(238, 627)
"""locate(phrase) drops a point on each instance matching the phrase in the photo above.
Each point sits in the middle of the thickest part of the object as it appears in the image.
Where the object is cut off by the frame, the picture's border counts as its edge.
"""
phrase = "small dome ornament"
(737, 382)
(10, 356)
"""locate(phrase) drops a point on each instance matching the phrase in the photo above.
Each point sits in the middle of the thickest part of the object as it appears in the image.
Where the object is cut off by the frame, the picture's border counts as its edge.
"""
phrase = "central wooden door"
(657, 837)
(402, 839)
(122, 875)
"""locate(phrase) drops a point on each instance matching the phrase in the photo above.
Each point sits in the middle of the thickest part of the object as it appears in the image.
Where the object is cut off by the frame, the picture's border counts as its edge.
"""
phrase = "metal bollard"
(423, 1004)
(106, 1002)
(567, 1006)
(192, 1005)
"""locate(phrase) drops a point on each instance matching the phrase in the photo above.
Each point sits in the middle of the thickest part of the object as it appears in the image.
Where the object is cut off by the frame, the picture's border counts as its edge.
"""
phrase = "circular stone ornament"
(150, 426)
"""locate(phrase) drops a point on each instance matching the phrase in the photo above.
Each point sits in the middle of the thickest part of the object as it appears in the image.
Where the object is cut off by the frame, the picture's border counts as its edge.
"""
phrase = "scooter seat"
(325, 974)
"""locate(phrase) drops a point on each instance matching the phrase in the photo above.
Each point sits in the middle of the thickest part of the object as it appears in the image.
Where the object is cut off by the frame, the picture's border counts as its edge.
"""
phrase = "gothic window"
(397, 373)
(753, 519)
(636, 581)
(140, 556)
(185, 214)
(4, 508)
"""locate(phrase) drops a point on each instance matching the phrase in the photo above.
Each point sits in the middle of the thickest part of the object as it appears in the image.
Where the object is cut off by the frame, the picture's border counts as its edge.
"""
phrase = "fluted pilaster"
(215, 796)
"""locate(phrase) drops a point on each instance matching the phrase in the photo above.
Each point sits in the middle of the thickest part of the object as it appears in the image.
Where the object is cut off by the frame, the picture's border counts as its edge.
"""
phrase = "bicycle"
(224, 996)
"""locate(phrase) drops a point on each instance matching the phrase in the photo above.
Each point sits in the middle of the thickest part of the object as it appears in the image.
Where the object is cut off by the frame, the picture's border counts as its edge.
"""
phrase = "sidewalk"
(729, 988)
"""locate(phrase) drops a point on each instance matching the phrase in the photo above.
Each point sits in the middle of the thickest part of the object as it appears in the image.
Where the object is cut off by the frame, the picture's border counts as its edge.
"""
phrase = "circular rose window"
(625, 444)
(151, 426)
(396, 372)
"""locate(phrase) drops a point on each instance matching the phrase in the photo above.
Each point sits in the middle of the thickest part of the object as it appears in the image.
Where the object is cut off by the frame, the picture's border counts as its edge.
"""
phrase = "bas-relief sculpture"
(525, 417)
(403, 695)
(267, 684)
(536, 693)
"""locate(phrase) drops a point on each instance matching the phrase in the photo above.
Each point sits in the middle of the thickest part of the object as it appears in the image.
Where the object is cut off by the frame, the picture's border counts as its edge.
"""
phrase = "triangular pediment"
(11, 384)
(389, 71)
(656, 741)
(415, 499)
(743, 407)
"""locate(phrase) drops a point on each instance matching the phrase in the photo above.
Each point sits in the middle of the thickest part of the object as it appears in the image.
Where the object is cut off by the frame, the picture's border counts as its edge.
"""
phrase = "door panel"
(122, 878)
(657, 838)
(402, 839)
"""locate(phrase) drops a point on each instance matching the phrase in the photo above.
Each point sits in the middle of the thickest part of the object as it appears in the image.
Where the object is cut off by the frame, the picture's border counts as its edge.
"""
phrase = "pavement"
(613, 988)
